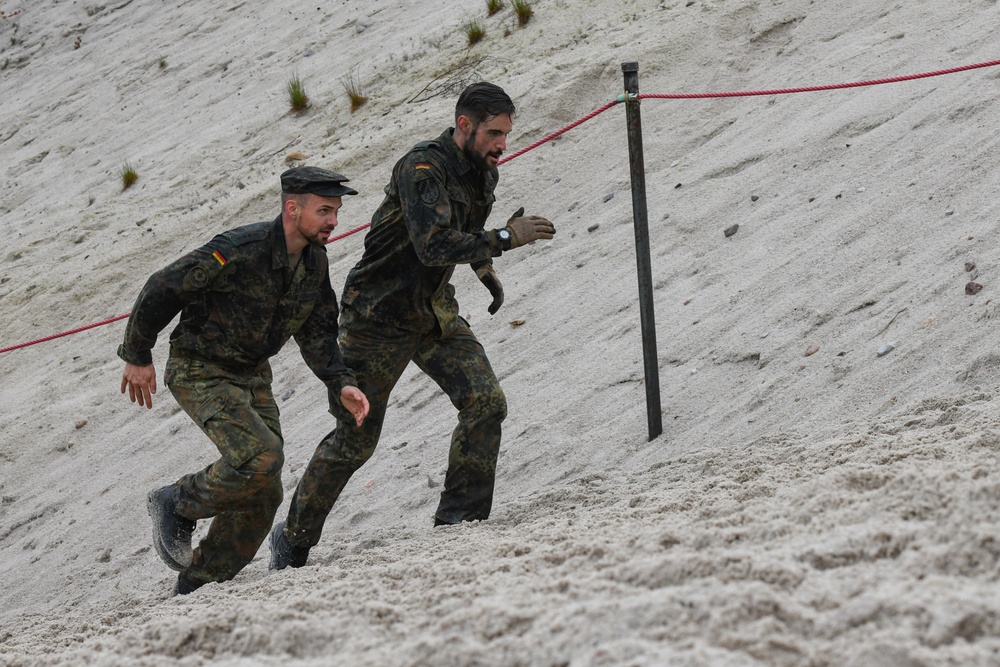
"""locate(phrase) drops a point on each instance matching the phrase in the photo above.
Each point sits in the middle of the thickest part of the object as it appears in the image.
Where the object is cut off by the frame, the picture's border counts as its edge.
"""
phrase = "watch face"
(504, 234)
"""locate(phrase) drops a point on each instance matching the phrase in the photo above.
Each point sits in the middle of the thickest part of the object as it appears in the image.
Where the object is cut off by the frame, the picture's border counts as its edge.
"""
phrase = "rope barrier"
(64, 333)
(510, 157)
(578, 121)
(592, 114)
(810, 89)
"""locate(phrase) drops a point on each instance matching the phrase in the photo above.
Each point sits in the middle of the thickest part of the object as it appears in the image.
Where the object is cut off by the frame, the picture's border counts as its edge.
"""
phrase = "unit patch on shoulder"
(196, 278)
(428, 191)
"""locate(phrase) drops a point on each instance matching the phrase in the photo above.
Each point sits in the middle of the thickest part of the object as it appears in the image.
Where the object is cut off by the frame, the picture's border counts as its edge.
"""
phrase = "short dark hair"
(300, 198)
(482, 101)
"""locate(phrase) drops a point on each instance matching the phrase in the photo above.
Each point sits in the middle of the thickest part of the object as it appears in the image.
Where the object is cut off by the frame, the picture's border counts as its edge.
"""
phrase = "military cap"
(313, 180)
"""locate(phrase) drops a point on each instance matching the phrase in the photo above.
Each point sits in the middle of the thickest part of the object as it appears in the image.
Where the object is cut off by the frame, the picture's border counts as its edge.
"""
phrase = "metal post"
(643, 265)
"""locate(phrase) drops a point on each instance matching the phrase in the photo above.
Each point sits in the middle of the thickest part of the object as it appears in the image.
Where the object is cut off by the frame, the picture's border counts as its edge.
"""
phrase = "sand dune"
(838, 508)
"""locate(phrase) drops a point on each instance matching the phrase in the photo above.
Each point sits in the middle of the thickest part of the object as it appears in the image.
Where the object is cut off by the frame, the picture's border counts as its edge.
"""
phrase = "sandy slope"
(832, 509)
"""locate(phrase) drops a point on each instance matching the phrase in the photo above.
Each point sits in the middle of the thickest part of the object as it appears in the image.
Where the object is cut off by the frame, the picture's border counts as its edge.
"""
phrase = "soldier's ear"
(291, 206)
(465, 125)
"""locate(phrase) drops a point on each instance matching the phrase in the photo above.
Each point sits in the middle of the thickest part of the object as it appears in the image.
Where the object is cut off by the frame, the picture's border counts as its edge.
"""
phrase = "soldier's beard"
(478, 159)
(317, 239)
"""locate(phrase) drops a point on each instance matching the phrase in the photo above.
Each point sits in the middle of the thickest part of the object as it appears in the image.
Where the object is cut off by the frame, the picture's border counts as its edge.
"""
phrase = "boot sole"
(178, 562)
(273, 543)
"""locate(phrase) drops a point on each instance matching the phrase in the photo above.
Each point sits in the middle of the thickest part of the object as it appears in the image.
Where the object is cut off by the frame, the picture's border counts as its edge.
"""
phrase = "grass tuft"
(353, 89)
(474, 31)
(297, 98)
(493, 6)
(128, 175)
(523, 11)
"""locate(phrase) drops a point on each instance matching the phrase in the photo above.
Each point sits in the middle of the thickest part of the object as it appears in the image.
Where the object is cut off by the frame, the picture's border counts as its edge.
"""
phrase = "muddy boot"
(284, 553)
(171, 531)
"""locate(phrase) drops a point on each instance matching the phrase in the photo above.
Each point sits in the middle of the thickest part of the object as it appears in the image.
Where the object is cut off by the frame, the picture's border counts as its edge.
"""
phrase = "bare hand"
(355, 401)
(141, 383)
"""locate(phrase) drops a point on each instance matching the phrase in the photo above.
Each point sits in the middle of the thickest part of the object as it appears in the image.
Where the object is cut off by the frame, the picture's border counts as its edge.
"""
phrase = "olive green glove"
(528, 229)
(488, 277)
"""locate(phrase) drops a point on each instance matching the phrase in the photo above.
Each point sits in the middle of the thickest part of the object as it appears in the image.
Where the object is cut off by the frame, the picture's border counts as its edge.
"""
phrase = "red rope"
(513, 155)
(552, 136)
(64, 333)
(349, 232)
(809, 89)
(595, 112)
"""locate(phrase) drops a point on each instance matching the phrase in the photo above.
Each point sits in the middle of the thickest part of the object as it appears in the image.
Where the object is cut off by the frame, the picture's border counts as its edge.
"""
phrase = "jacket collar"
(279, 250)
(462, 164)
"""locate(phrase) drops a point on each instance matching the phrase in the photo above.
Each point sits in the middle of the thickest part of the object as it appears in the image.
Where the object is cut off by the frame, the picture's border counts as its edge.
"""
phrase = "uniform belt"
(238, 369)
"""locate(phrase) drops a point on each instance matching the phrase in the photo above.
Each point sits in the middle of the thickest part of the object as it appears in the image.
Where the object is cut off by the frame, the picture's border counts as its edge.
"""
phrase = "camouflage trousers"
(378, 354)
(242, 490)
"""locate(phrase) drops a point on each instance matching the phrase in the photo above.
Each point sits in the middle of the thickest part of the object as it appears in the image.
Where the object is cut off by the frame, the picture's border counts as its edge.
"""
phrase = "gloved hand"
(488, 277)
(528, 229)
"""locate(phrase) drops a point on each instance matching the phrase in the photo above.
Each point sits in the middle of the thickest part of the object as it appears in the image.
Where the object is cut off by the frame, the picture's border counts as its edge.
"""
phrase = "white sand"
(835, 509)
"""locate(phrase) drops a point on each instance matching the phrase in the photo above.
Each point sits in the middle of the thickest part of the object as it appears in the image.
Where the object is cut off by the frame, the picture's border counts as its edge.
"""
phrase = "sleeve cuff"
(143, 358)
(337, 408)
(496, 245)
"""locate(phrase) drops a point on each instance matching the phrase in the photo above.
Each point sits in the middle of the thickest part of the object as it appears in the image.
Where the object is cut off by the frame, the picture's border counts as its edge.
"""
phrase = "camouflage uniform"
(239, 302)
(399, 307)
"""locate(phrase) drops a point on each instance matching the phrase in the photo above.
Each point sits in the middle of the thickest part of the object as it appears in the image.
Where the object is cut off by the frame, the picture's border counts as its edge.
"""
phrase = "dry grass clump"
(353, 89)
(523, 11)
(474, 31)
(297, 98)
(493, 6)
(128, 175)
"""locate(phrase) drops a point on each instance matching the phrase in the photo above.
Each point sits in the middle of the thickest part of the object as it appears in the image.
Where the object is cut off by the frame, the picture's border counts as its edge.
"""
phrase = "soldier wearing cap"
(399, 306)
(240, 298)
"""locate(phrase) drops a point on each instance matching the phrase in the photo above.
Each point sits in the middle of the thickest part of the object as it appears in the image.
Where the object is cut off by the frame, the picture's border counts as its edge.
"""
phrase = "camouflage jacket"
(432, 218)
(240, 302)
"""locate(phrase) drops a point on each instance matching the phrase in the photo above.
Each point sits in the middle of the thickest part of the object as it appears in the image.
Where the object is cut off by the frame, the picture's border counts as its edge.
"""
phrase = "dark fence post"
(641, 223)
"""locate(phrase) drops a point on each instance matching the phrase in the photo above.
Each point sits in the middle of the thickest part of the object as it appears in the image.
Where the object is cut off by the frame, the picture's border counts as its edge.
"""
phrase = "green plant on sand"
(297, 98)
(128, 175)
(523, 11)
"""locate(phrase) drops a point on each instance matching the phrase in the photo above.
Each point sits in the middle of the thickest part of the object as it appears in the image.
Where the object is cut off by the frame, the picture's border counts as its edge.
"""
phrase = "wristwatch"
(504, 235)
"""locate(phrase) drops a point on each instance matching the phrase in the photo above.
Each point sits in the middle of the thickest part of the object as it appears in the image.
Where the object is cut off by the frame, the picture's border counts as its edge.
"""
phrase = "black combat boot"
(171, 531)
(284, 553)
(184, 586)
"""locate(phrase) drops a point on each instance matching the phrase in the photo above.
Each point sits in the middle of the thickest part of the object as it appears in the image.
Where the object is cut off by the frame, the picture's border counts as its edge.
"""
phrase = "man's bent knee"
(264, 466)
(487, 407)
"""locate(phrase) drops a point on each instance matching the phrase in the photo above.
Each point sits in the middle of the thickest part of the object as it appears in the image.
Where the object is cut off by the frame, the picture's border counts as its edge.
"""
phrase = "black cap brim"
(330, 190)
